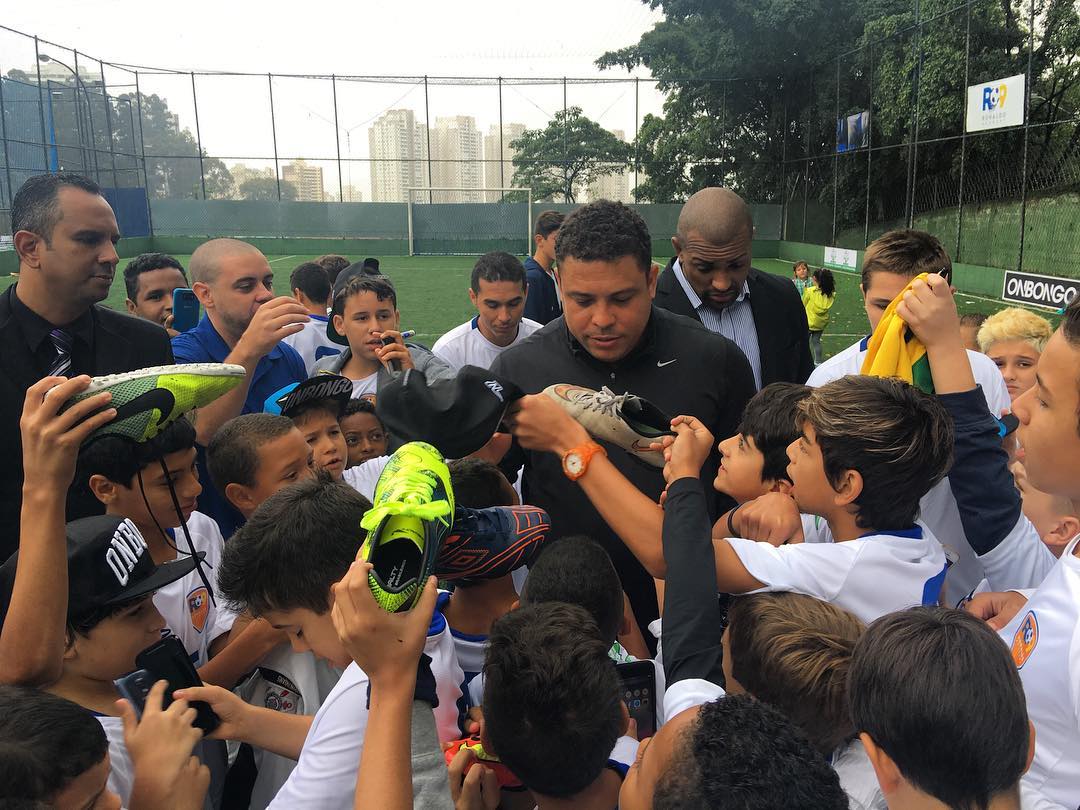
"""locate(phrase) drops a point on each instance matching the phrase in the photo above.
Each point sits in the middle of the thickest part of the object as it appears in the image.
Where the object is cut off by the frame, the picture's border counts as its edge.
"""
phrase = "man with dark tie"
(51, 322)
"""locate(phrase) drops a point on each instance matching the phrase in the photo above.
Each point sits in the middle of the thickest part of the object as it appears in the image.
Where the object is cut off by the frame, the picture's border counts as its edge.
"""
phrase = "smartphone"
(395, 365)
(134, 687)
(168, 660)
(185, 308)
(638, 679)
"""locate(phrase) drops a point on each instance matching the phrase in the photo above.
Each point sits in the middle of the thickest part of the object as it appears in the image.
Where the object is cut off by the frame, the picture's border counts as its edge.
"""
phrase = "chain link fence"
(258, 152)
(1003, 198)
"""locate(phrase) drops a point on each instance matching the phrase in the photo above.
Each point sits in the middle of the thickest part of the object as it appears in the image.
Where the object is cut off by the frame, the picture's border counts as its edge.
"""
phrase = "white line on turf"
(281, 258)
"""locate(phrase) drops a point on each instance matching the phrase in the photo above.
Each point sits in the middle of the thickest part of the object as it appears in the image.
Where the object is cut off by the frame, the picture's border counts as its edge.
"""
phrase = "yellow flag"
(894, 351)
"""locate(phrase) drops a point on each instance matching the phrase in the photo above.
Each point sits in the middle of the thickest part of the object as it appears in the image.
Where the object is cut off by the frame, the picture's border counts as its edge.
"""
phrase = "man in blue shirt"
(243, 324)
(542, 302)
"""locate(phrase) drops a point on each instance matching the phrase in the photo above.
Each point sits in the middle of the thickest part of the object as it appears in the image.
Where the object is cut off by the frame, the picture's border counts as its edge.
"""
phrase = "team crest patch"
(198, 602)
(1023, 643)
(281, 693)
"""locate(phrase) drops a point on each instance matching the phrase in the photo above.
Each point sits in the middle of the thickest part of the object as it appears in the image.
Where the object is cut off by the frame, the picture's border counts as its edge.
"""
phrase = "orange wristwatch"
(575, 462)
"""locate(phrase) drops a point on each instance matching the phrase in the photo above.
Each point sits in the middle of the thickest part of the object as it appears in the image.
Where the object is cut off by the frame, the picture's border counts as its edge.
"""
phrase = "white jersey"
(465, 345)
(469, 649)
(325, 775)
(870, 576)
(364, 477)
(688, 693)
(815, 529)
(857, 777)
(850, 361)
(290, 683)
(1044, 638)
(312, 344)
(937, 509)
(366, 387)
(1020, 561)
(121, 771)
(186, 606)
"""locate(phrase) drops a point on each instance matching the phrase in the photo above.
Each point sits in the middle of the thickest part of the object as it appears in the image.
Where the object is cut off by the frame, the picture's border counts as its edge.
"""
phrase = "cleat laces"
(412, 492)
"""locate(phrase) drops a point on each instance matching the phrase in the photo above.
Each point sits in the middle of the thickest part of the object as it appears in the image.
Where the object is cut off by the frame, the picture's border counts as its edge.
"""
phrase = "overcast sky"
(408, 37)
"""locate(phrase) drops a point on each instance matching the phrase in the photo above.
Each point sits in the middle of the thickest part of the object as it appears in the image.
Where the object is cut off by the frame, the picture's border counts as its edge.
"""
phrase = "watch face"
(574, 464)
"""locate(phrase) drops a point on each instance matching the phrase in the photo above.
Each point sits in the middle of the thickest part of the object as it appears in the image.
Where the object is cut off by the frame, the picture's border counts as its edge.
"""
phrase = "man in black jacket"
(65, 234)
(711, 279)
(611, 335)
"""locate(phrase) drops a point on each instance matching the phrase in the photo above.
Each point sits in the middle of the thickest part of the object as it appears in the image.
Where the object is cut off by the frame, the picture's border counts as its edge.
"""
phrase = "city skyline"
(317, 121)
(462, 158)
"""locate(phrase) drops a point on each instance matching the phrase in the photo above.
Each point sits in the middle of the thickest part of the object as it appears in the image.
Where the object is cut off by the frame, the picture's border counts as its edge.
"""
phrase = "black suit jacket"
(779, 319)
(121, 343)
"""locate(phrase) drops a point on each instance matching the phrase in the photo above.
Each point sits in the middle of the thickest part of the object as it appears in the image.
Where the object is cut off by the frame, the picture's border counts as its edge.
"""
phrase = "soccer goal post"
(467, 221)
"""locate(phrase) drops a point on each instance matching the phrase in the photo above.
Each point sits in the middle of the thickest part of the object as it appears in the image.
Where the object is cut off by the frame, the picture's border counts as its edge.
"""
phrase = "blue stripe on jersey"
(438, 623)
(914, 533)
(620, 768)
(475, 322)
(932, 589)
(864, 343)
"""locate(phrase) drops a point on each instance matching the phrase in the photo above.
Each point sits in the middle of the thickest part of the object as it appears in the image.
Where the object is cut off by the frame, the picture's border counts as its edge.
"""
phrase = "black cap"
(458, 415)
(108, 562)
(286, 400)
(344, 277)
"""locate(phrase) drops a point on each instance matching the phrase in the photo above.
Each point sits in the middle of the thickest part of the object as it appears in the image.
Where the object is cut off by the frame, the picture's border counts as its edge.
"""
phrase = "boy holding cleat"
(265, 569)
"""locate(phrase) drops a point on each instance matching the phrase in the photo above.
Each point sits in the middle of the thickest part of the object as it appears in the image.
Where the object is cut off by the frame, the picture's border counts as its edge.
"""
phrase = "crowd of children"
(887, 616)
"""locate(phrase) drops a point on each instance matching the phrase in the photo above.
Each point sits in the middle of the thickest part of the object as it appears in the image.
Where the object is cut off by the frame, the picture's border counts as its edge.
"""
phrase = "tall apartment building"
(307, 179)
(457, 151)
(493, 177)
(613, 186)
(398, 149)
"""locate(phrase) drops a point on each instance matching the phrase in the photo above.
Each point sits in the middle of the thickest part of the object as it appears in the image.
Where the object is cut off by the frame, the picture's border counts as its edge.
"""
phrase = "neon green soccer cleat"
(412, 513)
(148, 399)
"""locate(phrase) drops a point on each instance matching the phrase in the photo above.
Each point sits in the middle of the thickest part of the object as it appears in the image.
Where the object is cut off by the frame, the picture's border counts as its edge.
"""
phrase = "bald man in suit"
(711, 279)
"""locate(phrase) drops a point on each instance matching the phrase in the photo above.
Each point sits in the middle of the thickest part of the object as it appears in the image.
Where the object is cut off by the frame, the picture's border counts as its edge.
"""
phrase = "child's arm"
(388, 647)
(276, 732)
(685, 456)
(32, 640)
(540, 423)
(986, 496)
(692, 617)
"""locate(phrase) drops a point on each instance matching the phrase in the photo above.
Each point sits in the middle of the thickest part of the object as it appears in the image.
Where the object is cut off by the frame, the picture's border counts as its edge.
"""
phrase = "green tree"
(754, 89)
(266, 188)
(725, 66)
(172, 153)
(563, 158)
(84, 120)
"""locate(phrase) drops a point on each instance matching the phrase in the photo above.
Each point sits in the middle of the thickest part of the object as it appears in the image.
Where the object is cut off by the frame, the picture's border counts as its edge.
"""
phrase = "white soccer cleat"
(625, 420)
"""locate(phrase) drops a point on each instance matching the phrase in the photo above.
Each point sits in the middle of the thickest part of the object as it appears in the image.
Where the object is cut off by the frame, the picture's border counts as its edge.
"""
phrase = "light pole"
(79, 85)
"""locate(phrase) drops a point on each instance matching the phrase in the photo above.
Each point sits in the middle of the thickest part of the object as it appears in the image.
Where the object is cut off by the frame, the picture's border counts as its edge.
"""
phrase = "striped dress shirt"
(735, 321)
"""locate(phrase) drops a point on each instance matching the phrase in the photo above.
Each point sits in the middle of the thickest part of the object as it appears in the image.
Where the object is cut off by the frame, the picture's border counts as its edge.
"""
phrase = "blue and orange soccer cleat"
(490, 543)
